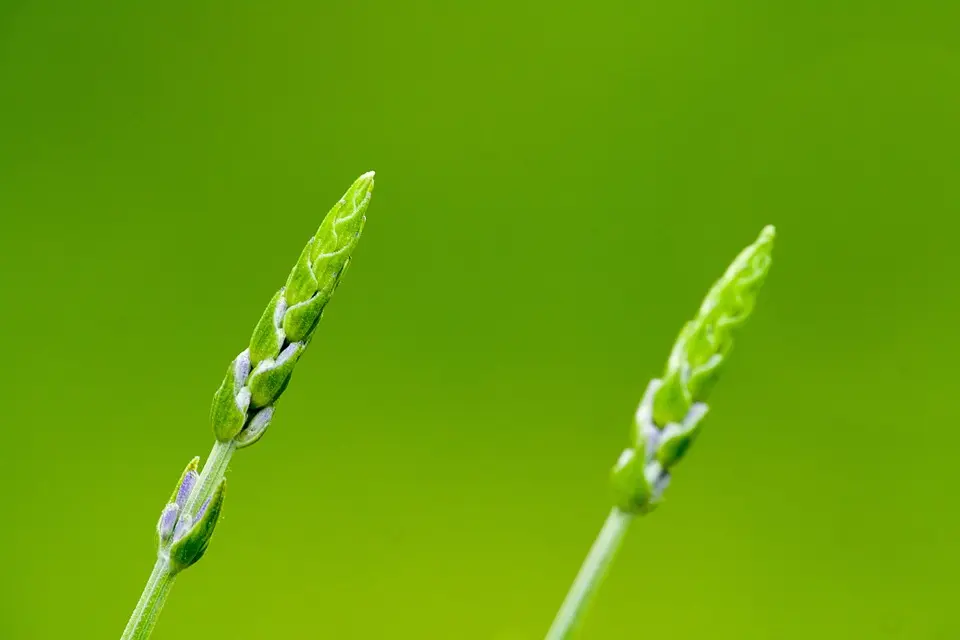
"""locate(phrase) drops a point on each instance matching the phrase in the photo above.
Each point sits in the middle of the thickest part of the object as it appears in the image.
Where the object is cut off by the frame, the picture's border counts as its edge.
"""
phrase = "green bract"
(192, 543)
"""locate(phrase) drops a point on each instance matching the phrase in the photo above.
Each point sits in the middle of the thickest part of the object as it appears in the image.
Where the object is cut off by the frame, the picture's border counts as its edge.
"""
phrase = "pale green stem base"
(154, 596)
(591, 575)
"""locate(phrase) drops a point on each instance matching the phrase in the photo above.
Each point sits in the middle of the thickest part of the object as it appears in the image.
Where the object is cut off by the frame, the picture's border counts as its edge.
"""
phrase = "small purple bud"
(189, 480)
(189, 546)
(168, 519)
(203, 509)
(241, 369)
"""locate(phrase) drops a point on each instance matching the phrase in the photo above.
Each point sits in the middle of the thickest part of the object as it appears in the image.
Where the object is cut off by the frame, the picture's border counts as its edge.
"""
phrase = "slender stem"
(213, 471)
(591, 575)
(151, 602)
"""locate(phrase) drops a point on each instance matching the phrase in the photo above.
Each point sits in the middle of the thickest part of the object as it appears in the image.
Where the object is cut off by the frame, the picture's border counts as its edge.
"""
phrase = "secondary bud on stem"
(260, 374)
(670, 414)
(183, 538)
(190, 539)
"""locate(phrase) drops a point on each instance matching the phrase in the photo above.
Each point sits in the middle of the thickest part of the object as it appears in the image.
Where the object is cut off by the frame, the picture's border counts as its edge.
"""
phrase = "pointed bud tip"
(762, 248)
(365, 182)
(767, 235)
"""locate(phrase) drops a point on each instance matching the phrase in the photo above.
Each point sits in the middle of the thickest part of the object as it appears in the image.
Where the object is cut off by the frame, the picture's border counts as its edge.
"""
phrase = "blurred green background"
(558, 184)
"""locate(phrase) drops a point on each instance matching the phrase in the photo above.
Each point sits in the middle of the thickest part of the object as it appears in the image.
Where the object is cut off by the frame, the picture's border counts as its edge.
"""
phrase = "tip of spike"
(363, 185)
(768, 233)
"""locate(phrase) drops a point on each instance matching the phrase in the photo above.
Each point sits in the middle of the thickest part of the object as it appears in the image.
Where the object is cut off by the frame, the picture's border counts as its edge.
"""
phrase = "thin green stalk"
(151, 602)
(591, 574)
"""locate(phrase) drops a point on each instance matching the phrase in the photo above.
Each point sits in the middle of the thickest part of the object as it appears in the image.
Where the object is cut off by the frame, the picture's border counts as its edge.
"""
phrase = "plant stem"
(591, 575)
(151, 602)
(213, 471)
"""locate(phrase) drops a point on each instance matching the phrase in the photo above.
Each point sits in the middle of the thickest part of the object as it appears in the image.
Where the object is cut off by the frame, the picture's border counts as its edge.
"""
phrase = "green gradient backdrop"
(558, 184)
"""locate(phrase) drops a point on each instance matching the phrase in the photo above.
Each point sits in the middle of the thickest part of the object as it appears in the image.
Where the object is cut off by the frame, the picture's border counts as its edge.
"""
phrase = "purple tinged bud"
(168, 519)
(241, 370)
(189, 481)
(203, 510)
(190, 543)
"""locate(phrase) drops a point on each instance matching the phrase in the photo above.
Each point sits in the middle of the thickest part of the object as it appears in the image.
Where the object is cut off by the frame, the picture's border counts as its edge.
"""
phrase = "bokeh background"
(558, 185)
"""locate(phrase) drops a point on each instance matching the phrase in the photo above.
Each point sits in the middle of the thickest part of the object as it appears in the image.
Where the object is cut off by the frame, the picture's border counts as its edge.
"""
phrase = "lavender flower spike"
(244, 403)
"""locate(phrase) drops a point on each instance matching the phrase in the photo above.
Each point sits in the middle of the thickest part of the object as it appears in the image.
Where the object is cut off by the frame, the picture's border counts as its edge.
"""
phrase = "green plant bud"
(228, 412)
(268, 337)
(672, 398)
(270, 378)
(631, 491)
(324, 257)
(186, 482)
(703, 344)
(340, 231)
(191, 540)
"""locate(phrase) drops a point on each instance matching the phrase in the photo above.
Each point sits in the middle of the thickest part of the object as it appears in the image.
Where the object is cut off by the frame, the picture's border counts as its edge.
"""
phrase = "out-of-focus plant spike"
(704, 342)
(673, 407)
(669, 419)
